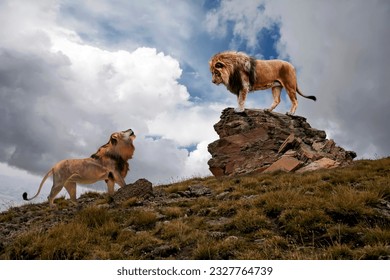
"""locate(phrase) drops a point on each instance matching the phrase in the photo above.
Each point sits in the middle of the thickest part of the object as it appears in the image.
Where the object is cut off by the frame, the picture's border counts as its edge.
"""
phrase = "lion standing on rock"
(241, 74)
(109, 163)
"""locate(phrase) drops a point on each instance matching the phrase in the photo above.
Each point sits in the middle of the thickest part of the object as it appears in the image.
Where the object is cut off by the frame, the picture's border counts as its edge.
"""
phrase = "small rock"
(284, 164)
(320, 164)
(140, 188)
(289, 143)
(199, 190)
(231, 238)
(309, 193)
(222, 195)
(217, 234)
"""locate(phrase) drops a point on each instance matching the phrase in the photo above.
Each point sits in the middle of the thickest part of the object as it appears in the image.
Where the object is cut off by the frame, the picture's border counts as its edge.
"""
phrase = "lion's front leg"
(276, 90)
(71, 189)
(241, 101)
(119, 180)
(110, 186)
(114, 177)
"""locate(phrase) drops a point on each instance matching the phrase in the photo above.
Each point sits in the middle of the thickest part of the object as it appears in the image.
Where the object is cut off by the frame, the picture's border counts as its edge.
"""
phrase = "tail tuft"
(25, 196)
(312, 97)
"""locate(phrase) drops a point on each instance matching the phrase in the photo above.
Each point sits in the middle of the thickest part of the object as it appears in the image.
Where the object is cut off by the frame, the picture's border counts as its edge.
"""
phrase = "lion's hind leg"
(291, 91)
(55, 190)
(294, 105)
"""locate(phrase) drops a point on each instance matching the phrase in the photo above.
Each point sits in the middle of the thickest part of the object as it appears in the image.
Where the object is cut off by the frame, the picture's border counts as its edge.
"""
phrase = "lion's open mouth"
(130, 131)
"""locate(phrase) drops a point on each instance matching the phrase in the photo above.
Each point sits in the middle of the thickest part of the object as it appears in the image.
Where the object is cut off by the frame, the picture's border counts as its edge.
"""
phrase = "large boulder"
(261, 141)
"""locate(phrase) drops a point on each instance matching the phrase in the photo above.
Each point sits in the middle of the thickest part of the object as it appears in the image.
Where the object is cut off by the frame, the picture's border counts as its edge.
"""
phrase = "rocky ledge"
(261, 141)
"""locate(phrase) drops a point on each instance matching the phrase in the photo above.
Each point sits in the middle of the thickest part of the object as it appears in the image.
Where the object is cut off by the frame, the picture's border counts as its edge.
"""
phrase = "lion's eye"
(216, 73)
(218, 65)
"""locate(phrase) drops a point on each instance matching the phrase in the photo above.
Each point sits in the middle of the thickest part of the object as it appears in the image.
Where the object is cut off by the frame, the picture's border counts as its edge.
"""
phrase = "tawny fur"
(241, 74)
(109, 163)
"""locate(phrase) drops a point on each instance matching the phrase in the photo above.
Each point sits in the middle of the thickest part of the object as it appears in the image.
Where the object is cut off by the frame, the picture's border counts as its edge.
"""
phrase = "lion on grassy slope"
(109, 163)
(241, 74)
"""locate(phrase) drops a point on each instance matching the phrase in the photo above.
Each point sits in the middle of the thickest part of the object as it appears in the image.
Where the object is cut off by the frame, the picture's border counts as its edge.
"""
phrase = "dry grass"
(342, 213)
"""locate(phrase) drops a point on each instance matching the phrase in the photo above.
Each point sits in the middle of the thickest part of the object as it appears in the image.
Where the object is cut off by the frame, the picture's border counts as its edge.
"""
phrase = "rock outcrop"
(141, 188)
(261, 141)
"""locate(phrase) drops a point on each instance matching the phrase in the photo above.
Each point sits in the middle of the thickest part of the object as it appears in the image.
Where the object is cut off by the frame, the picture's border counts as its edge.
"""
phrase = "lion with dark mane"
(241, 74)
(109, 163)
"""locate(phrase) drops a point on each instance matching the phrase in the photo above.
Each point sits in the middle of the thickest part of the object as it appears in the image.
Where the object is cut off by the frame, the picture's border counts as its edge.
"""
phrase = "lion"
(241, 74)
(109, 163)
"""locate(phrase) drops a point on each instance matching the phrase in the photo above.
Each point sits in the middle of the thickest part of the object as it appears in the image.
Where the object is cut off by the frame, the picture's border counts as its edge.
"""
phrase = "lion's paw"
(239, 110)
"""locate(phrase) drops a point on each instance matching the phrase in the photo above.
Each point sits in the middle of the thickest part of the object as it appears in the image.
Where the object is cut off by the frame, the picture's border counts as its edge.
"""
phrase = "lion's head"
(119, 148)
(228, 68)
(220, 69)
(121, 143)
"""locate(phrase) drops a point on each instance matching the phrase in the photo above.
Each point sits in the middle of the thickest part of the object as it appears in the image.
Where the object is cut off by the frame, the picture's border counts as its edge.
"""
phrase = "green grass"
(335, 214)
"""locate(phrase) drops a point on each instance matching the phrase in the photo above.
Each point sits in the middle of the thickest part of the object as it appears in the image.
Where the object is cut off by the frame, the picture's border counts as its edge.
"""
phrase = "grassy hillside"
(330, 214)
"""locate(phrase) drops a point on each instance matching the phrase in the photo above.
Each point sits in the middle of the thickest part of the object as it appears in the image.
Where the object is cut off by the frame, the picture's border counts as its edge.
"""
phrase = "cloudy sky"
(73, 72)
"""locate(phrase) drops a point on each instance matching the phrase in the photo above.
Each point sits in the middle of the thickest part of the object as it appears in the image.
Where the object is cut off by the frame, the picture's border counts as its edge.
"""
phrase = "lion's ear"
(219, 65)
(113, 139)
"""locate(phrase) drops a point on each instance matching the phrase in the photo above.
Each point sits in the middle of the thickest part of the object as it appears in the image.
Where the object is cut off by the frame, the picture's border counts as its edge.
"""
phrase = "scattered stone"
(384, 208)
(231, 238)
(195, 191)
(222, 196)
(309, 193)
(217, 234)
(199, 190)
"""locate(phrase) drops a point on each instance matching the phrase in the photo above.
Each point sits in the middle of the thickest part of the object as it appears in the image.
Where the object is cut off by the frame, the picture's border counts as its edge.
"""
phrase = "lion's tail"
(312, 97)
(40, 186)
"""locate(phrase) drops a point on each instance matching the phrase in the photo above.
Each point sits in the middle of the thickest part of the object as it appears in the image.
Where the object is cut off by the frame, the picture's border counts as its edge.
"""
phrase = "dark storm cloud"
(25, 135)
(39, 118)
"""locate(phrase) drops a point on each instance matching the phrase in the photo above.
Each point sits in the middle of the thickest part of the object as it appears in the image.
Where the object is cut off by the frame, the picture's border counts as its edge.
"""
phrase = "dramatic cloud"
(62, 98)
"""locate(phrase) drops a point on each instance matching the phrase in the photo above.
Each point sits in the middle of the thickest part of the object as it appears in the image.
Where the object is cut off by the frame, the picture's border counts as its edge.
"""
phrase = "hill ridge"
(342, 213)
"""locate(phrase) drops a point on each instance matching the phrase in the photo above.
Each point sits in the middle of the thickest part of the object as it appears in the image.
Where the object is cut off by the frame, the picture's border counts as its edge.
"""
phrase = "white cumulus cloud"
(62, 97)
